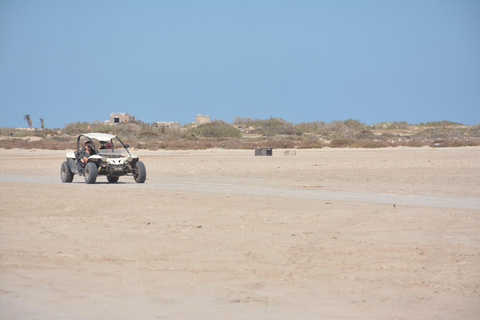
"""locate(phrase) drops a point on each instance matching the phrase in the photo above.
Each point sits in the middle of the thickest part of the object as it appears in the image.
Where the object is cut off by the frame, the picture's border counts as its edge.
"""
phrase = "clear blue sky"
(373, 61)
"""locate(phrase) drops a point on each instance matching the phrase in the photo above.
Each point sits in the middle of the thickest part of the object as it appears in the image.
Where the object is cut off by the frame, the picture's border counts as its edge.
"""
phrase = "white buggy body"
(110, 158)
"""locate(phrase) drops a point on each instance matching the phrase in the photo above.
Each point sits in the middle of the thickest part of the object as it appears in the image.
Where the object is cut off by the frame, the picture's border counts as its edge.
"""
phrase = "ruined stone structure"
(201, 119)
(120, 117)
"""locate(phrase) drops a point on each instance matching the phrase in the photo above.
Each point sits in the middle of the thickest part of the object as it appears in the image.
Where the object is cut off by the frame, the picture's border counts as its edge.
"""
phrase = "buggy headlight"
(129, 159)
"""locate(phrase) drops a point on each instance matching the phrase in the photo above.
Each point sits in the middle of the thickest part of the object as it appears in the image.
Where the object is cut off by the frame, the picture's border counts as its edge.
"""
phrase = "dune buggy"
(110, 157)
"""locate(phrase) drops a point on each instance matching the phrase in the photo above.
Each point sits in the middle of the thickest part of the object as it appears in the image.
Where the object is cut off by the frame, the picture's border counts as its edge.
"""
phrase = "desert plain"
(391, 233)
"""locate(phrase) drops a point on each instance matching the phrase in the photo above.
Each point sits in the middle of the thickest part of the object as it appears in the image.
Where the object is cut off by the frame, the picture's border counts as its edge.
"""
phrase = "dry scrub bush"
(310, 144)
(411, 143)
(22, 133)
(341, 143)
(366, 135)
(336, 128)
(444, 133)
(417, 143)
(369, 144)
(149, 145)
(241, 122)
(455, 143)
(70, 139)
(255, 123)
(4, 131)
(38, 144)
(354, 143)
(276, 132)
(474, 131)
(14, 143)
(279, 143)
(443, 123)
(228, 144)
(135, 130)
(75, 128)
(215, 129)
(276, 126)
(268, 127)
(355, 125)
(311, 127)
(390, 125)
(392, 136)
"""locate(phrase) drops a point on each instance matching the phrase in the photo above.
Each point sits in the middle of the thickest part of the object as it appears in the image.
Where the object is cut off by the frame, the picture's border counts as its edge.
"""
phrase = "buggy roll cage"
(102, 137)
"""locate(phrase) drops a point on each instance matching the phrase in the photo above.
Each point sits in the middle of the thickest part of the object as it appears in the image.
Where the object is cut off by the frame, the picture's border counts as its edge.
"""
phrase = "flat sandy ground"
(222, 234)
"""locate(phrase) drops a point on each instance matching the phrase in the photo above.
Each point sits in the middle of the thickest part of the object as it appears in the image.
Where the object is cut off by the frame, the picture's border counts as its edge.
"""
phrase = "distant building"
(168, 125)
(201, 119)
(120, 117)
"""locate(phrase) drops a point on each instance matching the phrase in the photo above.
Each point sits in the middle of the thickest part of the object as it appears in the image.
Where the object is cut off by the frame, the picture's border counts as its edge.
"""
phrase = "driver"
(86, 152)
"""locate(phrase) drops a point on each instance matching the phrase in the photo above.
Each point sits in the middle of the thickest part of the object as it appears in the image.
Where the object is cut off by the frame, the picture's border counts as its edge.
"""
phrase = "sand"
(389, 233)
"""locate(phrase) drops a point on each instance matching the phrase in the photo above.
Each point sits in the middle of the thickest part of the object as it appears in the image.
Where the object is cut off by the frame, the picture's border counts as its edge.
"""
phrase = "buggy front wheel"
(141, 173)
(65, 173)
(91, 173)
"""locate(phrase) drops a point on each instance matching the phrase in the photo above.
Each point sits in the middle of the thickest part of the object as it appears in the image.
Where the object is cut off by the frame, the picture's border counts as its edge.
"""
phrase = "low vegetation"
(247, 133)
(214, 129)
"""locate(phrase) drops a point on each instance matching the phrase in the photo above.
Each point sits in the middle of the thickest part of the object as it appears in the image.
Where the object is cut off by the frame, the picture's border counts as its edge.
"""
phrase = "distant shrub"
(226, 144)
(416, 143)
(13, 143)
(311, 127)
(369, 144)
(124, 130)
(442, 123)
(63, 138)
(390, 125)
(444, 133)
(336, 127)
(23, 133)
(75, 128)
(280, 143)
(39, 134)
(341, 143)
(411, 143)
(249, 122)
(274, 131)
(215, 129)
(243, 122)
(472, 142)
(38, 144)
(455, 143)
(308, 144)
(366, 135)
(388, 136)
(276, 126)
(474, 131)
(355, 124)
(5, 131)
(149, 134)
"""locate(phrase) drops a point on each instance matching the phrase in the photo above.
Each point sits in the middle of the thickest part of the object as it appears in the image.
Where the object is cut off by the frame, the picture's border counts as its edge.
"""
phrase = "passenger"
(86, 152)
